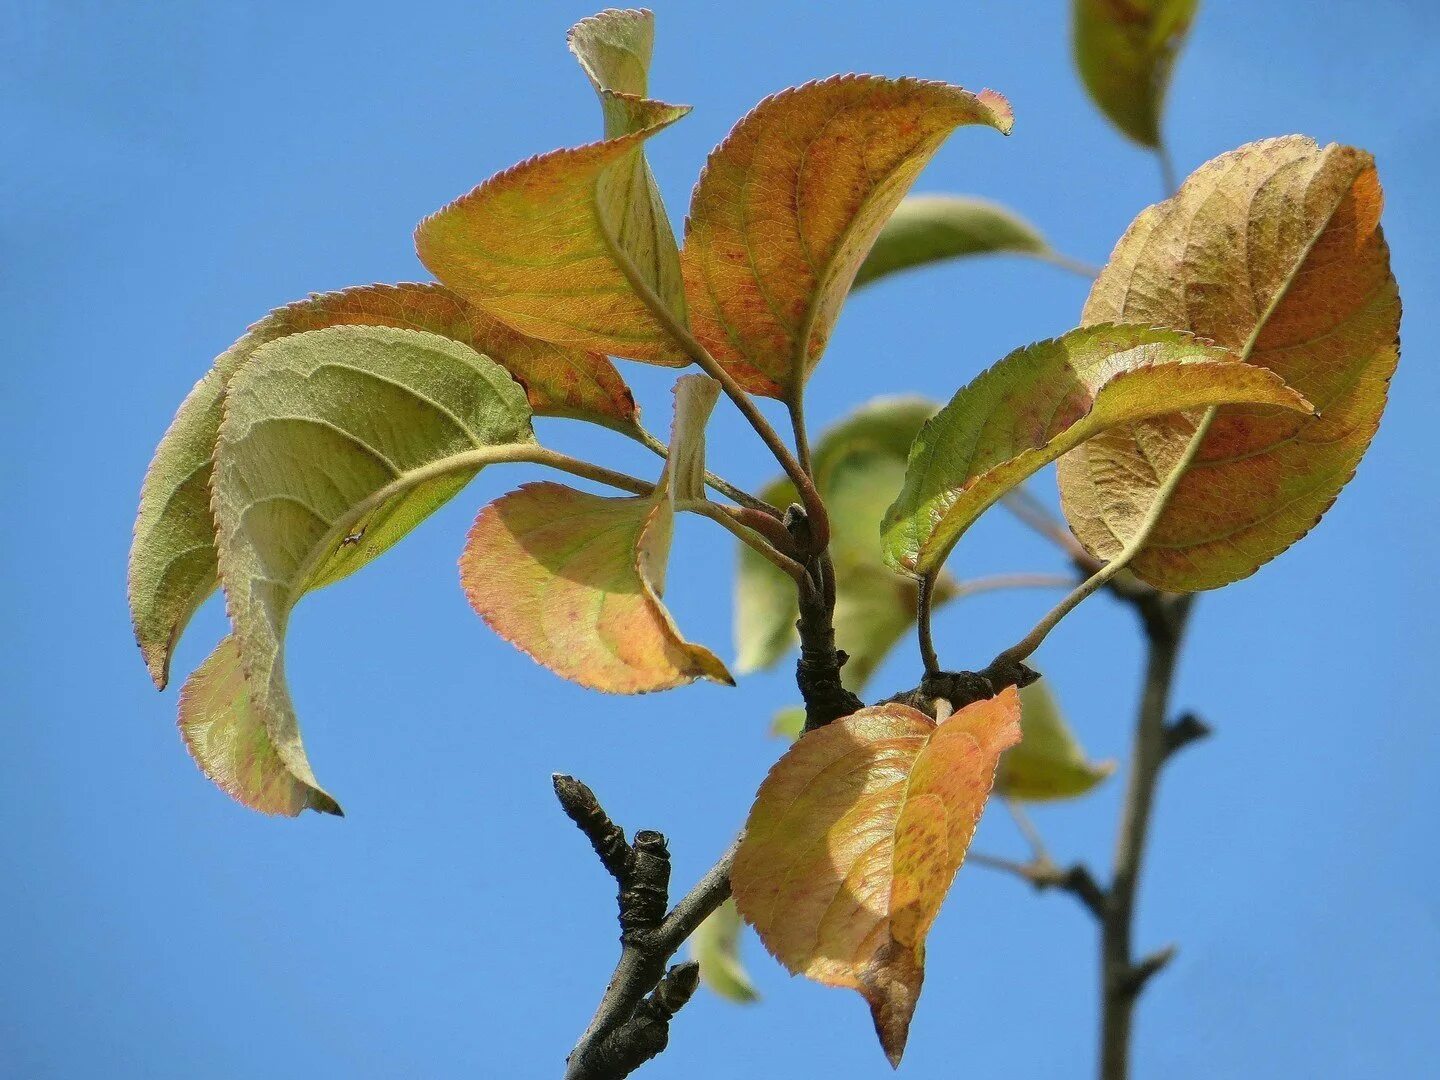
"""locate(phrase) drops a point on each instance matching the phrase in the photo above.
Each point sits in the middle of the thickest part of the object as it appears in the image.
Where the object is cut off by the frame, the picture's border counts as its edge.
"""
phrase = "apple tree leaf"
(1041, 401)
(1125, 50)
(715, 946)
(788, 206)
(1275, 252)
(1049, 762)
(172, 560)
(926, 229)
(334, 445)
(854, 839)
(575, 580)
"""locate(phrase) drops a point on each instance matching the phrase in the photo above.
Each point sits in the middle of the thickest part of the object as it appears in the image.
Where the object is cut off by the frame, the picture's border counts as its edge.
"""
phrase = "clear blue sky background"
(173, 171)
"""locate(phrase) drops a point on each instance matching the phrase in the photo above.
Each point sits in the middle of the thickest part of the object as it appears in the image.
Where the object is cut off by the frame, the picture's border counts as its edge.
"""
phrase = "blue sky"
(175, 170)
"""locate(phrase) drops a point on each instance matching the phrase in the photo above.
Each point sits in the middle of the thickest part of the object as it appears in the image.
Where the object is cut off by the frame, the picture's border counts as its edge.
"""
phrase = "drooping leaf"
(1049, 762)
(859, 466)
(1275, 252)
(335, 444)
(1125, 50)
(715, 946)
(789, 204)
(575, 580)
(571, 247)
(933, 228)
(853, 841)
(172, 560)
(1041, 401)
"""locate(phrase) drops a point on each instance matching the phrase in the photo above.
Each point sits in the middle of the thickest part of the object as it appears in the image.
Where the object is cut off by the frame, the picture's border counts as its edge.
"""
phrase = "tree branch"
(1043, 874)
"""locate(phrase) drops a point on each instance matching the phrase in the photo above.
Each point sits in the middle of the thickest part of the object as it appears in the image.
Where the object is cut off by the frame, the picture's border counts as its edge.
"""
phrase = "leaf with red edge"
(854, 839)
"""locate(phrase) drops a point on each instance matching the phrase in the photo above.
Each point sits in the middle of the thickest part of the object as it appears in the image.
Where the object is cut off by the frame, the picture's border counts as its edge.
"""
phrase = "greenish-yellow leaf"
(789, 204)
(172, 560)
(335, 443)
(1049, 762)
(1275, 252)
(1125, 50)
(1041, 401)
(715, 946)
(933, 228)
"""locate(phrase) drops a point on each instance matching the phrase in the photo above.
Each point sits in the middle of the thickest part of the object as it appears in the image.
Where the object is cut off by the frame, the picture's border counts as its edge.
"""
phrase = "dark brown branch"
(632, 1023)
(1182, 732)
(961, 688)
(1043, 875)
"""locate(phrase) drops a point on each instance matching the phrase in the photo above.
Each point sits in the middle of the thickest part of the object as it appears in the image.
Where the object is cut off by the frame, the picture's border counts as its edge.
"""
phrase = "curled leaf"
(1041, 401)
(335, 444)
(789, 204)
(1125, 50)
(172, 559)
(571, 247)
(1275, 252)
(1049, 762)
(715, 946)
(933, 228)
(854, 839)
(575, 580)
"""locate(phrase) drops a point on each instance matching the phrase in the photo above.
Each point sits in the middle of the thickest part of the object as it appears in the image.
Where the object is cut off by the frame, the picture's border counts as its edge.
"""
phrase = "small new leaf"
(715, 945)
(854, 839)
(1049, 762)
(1038, 403)
(934, 228)
(789, 204)
(1273, 251)
(1125, 50)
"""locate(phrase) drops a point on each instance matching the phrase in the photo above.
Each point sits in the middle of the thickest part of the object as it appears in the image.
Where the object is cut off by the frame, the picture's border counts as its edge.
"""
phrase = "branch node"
(1183, 731)
(647, 1032)
(1146, 968)
(583, 808)
(645, 888)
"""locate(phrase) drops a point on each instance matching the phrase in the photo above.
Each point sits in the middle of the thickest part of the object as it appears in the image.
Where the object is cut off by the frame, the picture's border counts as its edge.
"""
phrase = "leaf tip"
(1001, 111)
(891, 985)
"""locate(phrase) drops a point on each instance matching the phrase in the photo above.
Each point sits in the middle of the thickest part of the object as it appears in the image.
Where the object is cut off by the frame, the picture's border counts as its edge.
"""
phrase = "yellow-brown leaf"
(1275, 252)
(789, 204)
(854, 839)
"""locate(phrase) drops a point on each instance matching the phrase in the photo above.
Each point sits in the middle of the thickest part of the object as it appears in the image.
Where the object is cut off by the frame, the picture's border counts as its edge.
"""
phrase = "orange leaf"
(1275, 252)
(789, 204)
(854, 839)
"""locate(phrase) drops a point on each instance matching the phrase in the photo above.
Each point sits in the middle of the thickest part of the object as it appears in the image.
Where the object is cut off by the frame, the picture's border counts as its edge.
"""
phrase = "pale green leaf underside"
(927, 229)
(1048, 763)
(336, 443)
(1042, 401)
(715, 946)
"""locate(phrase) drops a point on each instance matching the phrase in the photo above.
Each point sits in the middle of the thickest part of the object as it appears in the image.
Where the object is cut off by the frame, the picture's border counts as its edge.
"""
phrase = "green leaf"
(335, 444)
(1038, 403)
(1125, 50)
(788, 723)
(1049, 762)
(933, 228)
(574, 246)
(172, 560)
(859, 466)
(715, 945)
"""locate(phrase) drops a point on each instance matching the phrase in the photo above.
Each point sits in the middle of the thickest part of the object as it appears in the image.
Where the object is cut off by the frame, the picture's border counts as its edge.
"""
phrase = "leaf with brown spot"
(1125, 50)
(1041, 401)
(575, 580)
(574, 247)
(1275, 252)
(172, 558)
(854, 839)
(789, 204)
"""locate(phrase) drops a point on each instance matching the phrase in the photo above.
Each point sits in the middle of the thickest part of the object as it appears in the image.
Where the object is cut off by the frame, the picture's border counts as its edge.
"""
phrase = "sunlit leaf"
(172, 561)
(715, 945)
(1041, 401)
(573, 247)
(788, 206)
(859, 467)
(335, 444)
(575, 580)
(1275, 252)
(1125, 50)
(1049, 762)
(933, 228)
(854, 839)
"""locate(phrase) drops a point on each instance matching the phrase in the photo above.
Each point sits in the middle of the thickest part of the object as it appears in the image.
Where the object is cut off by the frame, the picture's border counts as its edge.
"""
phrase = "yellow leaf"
(789, 204)
(1049, 763)
(854, 839)
(1275, 252)
(575, 580)
(1125, 50)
